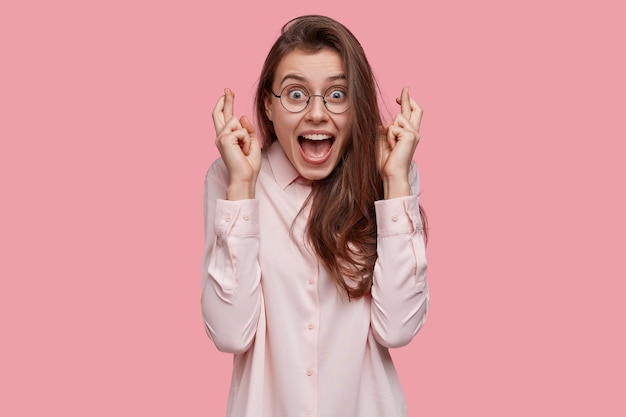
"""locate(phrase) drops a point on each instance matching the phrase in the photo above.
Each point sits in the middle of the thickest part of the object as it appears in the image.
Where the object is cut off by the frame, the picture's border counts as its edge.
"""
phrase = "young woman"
(314, 262)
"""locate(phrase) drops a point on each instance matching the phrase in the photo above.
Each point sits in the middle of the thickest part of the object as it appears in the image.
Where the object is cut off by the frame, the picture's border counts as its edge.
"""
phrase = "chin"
(316, 174)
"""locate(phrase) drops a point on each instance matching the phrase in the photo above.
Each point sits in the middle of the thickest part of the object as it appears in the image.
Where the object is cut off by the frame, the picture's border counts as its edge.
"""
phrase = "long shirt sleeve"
(231, 295)
(399, 292)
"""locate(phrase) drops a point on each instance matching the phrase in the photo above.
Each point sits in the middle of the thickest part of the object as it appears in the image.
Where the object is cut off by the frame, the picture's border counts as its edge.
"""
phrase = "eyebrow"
(303, 79)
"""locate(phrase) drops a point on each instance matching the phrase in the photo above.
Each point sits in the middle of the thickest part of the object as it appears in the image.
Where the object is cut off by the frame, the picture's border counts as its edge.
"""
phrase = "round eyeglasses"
(295, 98)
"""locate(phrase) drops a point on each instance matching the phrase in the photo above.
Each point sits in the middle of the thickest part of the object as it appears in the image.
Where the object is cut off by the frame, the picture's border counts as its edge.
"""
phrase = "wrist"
(240, 191)
(395, 187)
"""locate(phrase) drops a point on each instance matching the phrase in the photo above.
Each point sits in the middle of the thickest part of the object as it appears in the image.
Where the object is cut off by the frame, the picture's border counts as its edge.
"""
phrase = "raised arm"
(231, 277)
(399, 292)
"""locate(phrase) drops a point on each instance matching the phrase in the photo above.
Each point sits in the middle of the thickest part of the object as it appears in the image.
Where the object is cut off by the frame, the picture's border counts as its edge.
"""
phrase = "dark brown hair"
(342, 222)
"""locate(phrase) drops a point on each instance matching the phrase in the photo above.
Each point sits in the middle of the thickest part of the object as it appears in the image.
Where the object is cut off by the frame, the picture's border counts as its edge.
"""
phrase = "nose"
(316, 109)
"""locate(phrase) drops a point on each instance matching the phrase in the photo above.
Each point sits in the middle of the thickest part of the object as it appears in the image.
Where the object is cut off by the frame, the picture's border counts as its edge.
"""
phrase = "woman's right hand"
(239, 147)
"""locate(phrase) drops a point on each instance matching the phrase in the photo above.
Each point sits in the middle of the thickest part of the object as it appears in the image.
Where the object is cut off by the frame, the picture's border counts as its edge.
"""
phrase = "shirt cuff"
(398, 216)
(237, 218)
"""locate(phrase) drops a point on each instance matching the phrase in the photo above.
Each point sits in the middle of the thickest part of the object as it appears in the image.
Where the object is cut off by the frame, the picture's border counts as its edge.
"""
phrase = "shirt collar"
(284, 172)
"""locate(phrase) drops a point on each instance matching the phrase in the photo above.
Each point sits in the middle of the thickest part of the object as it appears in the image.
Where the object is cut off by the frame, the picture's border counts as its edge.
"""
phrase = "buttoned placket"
(310, 333)
(311, 340)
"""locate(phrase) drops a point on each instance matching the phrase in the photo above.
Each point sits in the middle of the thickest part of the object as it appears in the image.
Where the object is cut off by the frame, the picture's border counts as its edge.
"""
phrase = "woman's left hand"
(397, 144)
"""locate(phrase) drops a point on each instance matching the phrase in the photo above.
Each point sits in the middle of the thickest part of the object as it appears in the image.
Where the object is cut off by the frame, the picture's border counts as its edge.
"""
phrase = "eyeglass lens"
(295, 98)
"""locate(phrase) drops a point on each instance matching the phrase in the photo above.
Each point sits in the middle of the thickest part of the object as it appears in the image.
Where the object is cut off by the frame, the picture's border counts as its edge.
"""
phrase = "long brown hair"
(342, 221)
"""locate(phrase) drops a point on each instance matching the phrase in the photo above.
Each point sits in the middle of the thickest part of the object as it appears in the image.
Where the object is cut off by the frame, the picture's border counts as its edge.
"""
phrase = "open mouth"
(315, 148)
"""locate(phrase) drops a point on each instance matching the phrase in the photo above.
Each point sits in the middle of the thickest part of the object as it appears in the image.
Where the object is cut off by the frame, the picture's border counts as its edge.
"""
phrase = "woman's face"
(315, 138)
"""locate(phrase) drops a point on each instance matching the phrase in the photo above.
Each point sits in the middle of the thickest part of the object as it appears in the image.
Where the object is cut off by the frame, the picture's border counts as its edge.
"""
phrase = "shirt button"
(394, 218)
(309, 372)
(310, 326)
(245, 217)
(311, 281)
(227, 218)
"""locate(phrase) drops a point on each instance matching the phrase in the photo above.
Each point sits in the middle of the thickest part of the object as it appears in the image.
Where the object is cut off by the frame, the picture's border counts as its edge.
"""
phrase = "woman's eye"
(337, 94)
(297, 95)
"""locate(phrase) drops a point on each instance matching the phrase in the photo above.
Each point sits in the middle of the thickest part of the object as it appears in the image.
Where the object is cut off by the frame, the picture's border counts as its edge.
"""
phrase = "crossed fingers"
(224, 110)
(409, 109)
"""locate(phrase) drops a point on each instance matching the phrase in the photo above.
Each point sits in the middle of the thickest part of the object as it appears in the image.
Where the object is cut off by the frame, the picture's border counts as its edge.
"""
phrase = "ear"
(268, 106)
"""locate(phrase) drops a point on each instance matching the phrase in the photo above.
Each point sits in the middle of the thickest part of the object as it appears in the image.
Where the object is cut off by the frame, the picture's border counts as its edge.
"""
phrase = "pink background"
(106, 136)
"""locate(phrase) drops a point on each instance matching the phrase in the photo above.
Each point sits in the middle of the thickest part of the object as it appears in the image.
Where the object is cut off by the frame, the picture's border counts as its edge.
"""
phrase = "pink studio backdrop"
(106, 135)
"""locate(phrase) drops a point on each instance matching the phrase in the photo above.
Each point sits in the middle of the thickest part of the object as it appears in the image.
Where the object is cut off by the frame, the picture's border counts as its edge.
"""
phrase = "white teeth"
(316, 137)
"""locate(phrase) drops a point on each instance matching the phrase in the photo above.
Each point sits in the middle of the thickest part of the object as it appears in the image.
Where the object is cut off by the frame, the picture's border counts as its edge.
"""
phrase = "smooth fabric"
(301, 349)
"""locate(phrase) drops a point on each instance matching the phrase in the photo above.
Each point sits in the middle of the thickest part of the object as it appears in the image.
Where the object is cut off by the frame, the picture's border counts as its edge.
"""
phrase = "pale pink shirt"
(301, 349)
